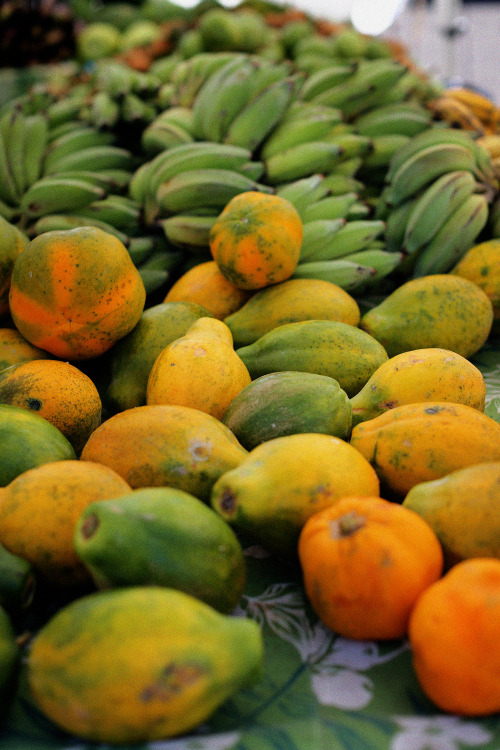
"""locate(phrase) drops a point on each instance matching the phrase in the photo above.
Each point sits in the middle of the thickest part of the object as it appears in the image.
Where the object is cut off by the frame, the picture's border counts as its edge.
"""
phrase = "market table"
(318, 691)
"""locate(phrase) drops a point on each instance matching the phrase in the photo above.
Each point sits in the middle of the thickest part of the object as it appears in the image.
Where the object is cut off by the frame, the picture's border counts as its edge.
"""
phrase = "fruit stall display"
(249, 386)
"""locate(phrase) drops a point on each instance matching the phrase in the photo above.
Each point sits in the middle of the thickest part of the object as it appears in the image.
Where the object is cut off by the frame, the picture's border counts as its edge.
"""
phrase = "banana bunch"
(439, 187)
(339, 246)
(467, 109)
(184, 188)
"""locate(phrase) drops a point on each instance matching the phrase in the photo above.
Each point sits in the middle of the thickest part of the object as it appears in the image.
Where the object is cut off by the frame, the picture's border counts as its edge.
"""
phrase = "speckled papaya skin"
(425, 441)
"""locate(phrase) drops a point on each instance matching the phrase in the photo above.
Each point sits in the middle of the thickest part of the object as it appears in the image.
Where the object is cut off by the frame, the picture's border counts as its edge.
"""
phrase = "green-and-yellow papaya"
(165, 537)
(139, 664)
(282, 482)
(462, 508)
(325, 347)
(420, 442)
(288, 403)
(17, 581)
(289, 302)
(9, 657)
(441, 310)
(131, 359)
(419, 375)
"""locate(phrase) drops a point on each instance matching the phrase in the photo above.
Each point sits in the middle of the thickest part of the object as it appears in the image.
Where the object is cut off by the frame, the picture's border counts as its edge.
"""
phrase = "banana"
(262, 113)
(8, 212)
(203, 188)
(383, 149)
(370, 77)
(93, 158)
(396, 222)
(74, 142)
(104, 110)
(12, 127)
(140, 248)
(381, 261)
(348, 167)
(400, 118)
(117, 210)
(354, 236)
(115, 78)
(252, 169)
(483, 107)
(63, 110)
(110, 180)
(135, 110)
(323, 79)
(425, 166)
(58, 194)
(209, 91)
(35, 145)
(157, 269)
(434, 206)
(8, 191)
(189, 75)
(196, 155)
(457, 235)
(292, 132)
(189, 231)
(351, 144)
(156, 139)
(331, 207)
(301, 193)
(63, 222)
(318, 237)
(302, 161)
(359, 210)
(266, 74)
(491, 142)
(63, 128)
(455, 113)
(343, 272)
(338, 184)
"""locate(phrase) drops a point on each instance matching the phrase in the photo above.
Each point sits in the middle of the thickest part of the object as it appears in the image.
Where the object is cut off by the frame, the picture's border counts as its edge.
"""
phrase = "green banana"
(203, 188)
(8, 212)
(74, 142)
(396, 222)
(157, 269)
(351, 144)
(318, 237)
(35, 145)
(116, 210)
(342, 272)
(63, 110)
(140, 248)
(58, 194)
(457, 235)
(93, 158)
(134, 109)
(115, 78)
(323, 79)
(8, 191)
(57, 222)
(292, 132)
(104, 110)
(65, 127)
(302, 161)
(266, 74)
(354, 236)
(252, 169)
(381, 261)
(331, 207)
(400, 118)
(161, 135)
(189, 75)
(434, 206)
(424, 167)
(12, 127)
(348, 167)
(262, 113)
(301, 193)
(383, 149)
(189, 231)
(209, 91)
(110, 180)
(370, 77)
(338, 184)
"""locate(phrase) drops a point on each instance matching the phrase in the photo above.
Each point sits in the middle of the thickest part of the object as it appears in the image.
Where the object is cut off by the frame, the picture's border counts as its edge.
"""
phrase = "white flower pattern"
(438, 733)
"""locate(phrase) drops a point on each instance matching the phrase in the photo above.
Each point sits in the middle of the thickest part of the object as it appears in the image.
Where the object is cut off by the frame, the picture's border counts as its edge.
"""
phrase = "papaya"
(325, 347)
(12, 242)
(17, 581)
(9, 657)
(421, 442)
(283, 481)
(166, 537)
(289, 302)
(139, 664)
(462, 508)
(161, 445)
(28, 440)
(481, 264)
(419, 375)
(131, 359)
(440, 310)
(288, 403)
(200, 369)
(14, 349)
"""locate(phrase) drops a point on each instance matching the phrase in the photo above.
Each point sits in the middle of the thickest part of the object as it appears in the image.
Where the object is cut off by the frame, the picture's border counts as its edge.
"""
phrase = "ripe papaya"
(139, 664)
(166, 537)
(288, 403)
(325, 347)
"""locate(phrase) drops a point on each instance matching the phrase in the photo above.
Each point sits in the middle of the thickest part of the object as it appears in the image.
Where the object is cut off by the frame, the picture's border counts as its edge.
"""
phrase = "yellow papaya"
(325, 347)
(440, 310)
(139, 664)
(462, 508)
(288, 302)
(419, 375)
(200, 370)
(161, 445)
(420, 442)
(283, 481)
(481, 264)
(12, 242)
(131, 359)
(14, 349)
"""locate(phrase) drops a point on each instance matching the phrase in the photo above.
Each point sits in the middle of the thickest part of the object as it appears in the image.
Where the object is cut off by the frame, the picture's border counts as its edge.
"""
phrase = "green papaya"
(288, 302)
(139, 664)
(288, 403)
(17, 581)
(166, 537)
(28, 440)
(441, 310)
(132, 358)
(325, 347)
(9, 656)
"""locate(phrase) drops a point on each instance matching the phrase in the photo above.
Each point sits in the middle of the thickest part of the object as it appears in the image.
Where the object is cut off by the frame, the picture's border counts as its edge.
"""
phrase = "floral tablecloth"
(318, 691)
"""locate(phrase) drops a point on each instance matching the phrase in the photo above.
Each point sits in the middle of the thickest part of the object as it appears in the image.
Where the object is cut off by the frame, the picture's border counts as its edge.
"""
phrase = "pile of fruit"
(246, 258)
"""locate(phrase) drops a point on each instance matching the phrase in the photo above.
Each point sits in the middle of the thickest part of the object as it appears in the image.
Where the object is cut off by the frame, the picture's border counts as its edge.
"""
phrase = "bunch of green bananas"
(436, 201)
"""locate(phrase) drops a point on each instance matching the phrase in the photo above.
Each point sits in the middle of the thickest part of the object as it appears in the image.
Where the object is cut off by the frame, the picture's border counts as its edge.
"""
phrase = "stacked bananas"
(436, 200)
(464, 108)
